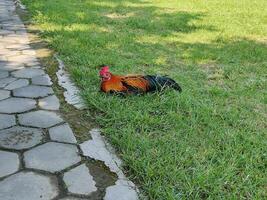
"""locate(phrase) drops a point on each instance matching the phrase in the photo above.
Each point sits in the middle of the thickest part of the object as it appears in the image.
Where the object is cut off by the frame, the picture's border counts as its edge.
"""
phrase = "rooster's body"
(135, 83)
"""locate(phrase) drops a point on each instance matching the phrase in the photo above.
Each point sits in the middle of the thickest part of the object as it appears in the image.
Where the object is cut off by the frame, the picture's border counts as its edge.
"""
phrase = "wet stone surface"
(20, 137)
(52, 157)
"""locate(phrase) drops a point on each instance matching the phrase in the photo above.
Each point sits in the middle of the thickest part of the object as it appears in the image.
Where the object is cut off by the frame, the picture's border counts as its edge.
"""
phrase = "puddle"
(97, 148)
(71, 92)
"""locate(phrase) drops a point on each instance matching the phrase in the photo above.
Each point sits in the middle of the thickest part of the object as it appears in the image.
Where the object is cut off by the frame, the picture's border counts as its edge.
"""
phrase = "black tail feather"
(158, 83)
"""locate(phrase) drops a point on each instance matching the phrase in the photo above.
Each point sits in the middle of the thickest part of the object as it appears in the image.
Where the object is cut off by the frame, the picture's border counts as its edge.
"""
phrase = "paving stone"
(28, 73)
(29, 52)
(19, 137)
(19, 47)
(42, 80)
(52, 157)
(40, 118)
(22, 58)
(3, 74)
(121, 191)
(4, 94)
(71, 198)
(16, 105)
(79, 181)
(5, 81)
(49, 103)
(17, 84)
(7, 121)
(33, 91)
(62, 133)
(28, 186)
(9, 163)
(10, 66)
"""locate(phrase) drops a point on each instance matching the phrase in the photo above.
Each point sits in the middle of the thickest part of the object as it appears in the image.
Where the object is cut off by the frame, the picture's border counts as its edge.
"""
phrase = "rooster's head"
(105, 73)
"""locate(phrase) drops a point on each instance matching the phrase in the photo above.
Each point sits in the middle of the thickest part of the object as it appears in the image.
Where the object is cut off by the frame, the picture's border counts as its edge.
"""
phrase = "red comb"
(104, 70)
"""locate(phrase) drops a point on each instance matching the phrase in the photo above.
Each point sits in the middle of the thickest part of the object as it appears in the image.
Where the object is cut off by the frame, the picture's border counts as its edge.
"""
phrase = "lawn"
(208, 142)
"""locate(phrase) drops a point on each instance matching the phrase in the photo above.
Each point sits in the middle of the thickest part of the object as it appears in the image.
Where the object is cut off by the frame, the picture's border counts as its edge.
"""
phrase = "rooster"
(134, 84)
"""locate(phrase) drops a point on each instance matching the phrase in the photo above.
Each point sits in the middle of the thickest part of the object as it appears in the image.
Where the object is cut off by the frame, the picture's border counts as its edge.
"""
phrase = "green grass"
(208, 142)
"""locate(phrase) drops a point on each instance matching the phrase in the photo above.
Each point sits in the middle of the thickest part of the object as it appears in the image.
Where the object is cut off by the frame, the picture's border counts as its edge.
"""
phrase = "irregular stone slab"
(16, 105)
(52, 157)
(62, 133)
(19, 137)
(33, 91)
(42, 80)
(79, 181)
(5, 81)
(71, 198)
(3, 74)
(10, 66)
(7, 121)
(72, 92)
(4, 94)
(29, 186)
(98, 149)
(29, 52)
(121, 191)
(40, 119)
(17, 84)
(28, 73)
(49, 103)
(26, 59)
(9, 163)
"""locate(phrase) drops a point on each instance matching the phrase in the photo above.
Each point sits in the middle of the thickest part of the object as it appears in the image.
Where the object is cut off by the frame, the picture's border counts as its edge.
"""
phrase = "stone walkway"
(39, 155)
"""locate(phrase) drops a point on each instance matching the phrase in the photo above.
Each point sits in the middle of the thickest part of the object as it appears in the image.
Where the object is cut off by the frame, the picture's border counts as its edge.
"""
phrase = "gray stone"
(52, 157)
(33, 91)
(71, 198)
(28, 186)
(28, 73)
(5, 81)
(4, 94)
(16, 105)
(3, 74)
(49, 103)
(10, 66)
(17, 84)
(79, 181)
(7, 121)
(121, 191)
(20, 137)
(62, 133)
(9, 163)
(42, 80)
(40, 118)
